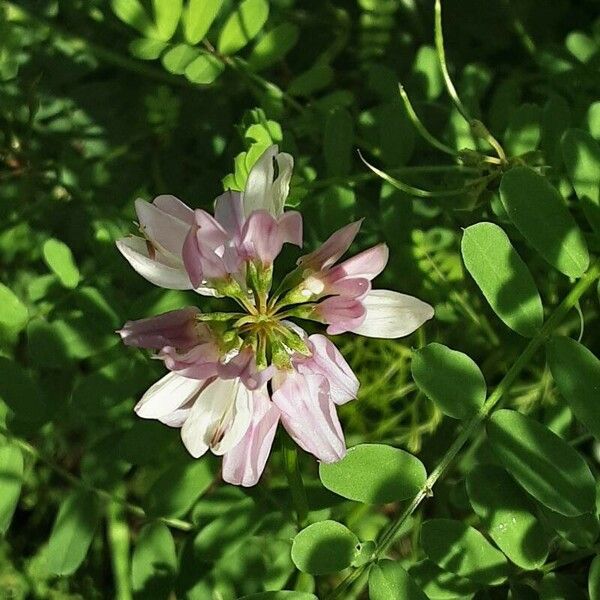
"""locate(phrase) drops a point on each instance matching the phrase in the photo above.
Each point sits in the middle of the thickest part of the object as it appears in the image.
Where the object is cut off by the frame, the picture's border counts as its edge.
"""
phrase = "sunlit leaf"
(273, 46)
(280, 595)
(456, 547)
(503, 277)
(539, 213)
(167, 14)
(204, 69)
(14, 314)
(147, 48)
(11, 479)
(523, 133)
(72, 533)
(449, 378)
(60, 261)
(398, 476)
(132, 13)
(544, 464)
(508, 516)
(389, 581)
(594, 579)
(178, 58)
(198, 17)
(243, 25)
(324, 547)
(439, 584)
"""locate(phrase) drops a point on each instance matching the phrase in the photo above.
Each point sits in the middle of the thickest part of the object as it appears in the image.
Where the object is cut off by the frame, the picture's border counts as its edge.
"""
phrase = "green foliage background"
(103, 102)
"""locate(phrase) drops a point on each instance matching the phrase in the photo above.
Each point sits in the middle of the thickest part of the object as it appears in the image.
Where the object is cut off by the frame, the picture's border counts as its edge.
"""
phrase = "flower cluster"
(234, 376)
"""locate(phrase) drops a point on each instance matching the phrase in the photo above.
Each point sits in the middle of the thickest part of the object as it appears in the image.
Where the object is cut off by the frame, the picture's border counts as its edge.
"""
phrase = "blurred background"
(104, 102)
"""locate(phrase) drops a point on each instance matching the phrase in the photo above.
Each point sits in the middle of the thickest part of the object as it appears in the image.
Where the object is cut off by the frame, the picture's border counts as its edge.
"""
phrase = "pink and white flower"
(233, 377)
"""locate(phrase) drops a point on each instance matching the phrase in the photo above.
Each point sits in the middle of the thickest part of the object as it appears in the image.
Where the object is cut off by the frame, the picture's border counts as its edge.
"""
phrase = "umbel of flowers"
(234, 376)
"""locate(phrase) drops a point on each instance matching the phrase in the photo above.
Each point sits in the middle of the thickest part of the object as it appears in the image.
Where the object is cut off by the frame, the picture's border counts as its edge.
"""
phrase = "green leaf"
(324, 547)
(558, 587)
(539, 213)
(338, 143)
(177, 58)
(146, 48)
(503, 277)
(19, 392)
(273, 46)
(204, 69)
(14, 314)
(73, 531)
(398, 475)
(438, 584)
(133, 14)
(389, 581)
(176, 490)
(280, 595)
(576, 372)
(581, 531)
(508, 516)
(311, 81)
(456, 547)
(594, 579)
(154, 562)
(167, 14)
(523, 133)
(11, 479)
(581, 155)
(544, 464)
(60, 261)
(243, 25)
(449, 378)
(198, 17)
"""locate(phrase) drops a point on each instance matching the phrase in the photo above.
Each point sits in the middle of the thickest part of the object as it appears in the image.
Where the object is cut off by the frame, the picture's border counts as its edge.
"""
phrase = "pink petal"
(173, 328)
(332, 249)
(192, 259)
(229, 212)
(309, 416)
(340, 313)
(350, 287)
(290, 224)
(174, 207)
(199, 362)
(367, 264)
(245, 463)
(262, 237)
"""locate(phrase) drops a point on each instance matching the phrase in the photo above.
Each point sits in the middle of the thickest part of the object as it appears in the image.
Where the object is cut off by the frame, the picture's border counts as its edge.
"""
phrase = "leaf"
(324, 547)
(544, 464)
(389, 581)
(398, 475)
(538, 212)
(204, 69)
(14, 314)
(243, 25)
(441, 585)
(198, 17)
(558, 587)
(273, 46)
(178, 58)
(456, 547)
(508, 516)
(60, 261)
(133, 14)
(338, 143)
(581, 531)
(167, 14)
(280, 595)
(594, 579)
(154, 562)
(449, 378)
(581, 155)
(176, 490)
(146, 48)
(19, 392)
(503, 277)
(73, 531)
(11, 480)
(576, 372)
(311, 81)
(523, 133)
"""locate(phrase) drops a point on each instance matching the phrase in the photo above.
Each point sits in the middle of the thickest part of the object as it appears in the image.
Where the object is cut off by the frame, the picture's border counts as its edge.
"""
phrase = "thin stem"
(439, 45)
(473, 424)
(294, 477)
(118, 538)
(75, 481)
(418, 125)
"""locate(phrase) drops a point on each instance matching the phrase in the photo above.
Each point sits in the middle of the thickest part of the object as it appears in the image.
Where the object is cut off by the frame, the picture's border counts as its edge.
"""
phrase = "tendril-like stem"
(389, 535)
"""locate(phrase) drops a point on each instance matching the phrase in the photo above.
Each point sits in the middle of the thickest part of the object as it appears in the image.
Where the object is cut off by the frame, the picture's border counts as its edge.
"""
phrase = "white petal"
(167, 395)
(175, 207)
(392, 315)
(134, 249)
(218, 419)
(281, 186)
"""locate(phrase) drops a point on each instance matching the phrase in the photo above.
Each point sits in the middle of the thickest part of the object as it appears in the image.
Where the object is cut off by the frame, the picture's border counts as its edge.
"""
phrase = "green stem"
(75, 481)
(473, 424)
(294, 477)
(118, 538)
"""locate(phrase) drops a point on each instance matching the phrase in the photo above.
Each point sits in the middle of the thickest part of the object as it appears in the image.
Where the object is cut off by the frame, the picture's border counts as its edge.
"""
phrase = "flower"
(233, 377)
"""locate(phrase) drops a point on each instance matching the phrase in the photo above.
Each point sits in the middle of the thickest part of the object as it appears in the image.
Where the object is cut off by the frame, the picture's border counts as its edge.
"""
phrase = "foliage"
(473, 468)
